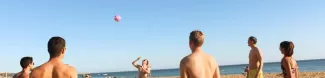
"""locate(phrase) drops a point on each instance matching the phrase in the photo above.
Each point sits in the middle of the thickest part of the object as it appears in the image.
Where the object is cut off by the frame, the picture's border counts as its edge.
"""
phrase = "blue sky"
(157, 30)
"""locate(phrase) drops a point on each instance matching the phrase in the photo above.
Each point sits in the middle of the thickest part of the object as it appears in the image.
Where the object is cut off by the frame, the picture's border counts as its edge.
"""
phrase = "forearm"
(147, 71)
(260, 67)
(135, 61)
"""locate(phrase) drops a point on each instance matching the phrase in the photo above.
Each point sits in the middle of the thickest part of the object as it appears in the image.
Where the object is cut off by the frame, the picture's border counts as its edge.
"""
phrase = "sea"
(316, 65)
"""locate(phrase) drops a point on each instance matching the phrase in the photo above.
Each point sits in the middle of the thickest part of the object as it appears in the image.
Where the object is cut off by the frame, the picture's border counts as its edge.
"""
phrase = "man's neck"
(56, 59)
(196, 50)
(253, 46)
(25, 70)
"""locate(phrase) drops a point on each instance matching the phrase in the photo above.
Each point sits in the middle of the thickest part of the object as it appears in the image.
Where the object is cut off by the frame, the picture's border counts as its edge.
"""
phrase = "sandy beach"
(270, 75)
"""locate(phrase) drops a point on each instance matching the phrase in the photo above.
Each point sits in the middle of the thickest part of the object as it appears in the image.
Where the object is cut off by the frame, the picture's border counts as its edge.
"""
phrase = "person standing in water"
(27, 64)
(255, 64)
(55, 68)
(198, 64)
(289, 65)
(144, 70)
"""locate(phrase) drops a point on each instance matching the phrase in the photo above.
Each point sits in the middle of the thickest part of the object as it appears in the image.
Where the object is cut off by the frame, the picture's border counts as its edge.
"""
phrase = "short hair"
(197, 38)
(252, 38)
(55, 46)
(288, 47)
(25, 61)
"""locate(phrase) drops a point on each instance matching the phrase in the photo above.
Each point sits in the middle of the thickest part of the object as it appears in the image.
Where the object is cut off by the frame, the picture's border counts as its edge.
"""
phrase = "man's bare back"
(54, 70)
(21, 75)
(254, 58)
(199, 65)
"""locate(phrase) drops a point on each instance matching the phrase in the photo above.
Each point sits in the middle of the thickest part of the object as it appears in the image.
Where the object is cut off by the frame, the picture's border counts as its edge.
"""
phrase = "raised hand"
(139, 58)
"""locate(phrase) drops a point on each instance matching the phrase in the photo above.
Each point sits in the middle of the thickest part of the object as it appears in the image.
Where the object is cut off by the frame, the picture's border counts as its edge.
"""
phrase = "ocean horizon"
(310, 65)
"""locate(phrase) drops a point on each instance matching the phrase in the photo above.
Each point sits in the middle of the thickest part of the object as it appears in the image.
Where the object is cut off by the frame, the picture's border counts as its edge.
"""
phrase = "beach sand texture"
(269, 75)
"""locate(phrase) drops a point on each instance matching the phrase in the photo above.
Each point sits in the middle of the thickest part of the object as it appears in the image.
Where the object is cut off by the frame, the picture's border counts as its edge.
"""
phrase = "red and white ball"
(117, 18)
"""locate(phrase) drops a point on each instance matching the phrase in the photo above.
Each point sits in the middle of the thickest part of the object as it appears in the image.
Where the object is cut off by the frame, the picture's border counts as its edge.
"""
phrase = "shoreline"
(266, 75)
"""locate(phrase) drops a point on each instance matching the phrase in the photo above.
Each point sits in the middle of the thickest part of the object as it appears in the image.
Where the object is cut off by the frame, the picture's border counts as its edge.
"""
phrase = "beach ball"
(117, 18)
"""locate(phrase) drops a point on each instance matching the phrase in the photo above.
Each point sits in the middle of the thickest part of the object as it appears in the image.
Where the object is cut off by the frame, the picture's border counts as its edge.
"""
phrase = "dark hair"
(197, 38)
(55, 46)
(252, 38)
(288, 47)
(25, 61)
(147, 61)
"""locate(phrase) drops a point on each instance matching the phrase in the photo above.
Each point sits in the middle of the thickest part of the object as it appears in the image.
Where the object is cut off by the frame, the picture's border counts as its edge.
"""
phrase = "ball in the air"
(117, 18)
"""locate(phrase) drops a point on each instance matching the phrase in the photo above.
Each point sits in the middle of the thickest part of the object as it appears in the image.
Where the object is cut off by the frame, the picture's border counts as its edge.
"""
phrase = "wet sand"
(268, 75)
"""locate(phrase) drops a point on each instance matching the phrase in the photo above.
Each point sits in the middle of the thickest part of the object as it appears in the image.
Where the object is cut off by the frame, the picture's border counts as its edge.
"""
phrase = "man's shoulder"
(40, 69)
(25, 75)
(36, 70)
(185, 59)
(16, 75)
(188, 59)
(211, 59)
(256, 50)
(71, 69)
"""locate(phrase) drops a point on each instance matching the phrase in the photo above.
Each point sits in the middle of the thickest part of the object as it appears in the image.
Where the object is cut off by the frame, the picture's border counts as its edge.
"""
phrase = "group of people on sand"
(53, 68)
(198, 64)
(289, 65)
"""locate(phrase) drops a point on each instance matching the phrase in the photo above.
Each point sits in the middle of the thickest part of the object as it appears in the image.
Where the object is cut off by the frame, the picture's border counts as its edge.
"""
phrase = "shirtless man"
(255, 59)
(198, 64)
(27, 64)
(55, 68)
(144, 70)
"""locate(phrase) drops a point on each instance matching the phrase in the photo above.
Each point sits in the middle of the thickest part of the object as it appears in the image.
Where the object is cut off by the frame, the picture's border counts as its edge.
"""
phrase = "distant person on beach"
(255, 64)
(246, 71)
(86, 76)
(144, 69)
(198, 64)
(289, 65)
(27, 64)
(55, 68)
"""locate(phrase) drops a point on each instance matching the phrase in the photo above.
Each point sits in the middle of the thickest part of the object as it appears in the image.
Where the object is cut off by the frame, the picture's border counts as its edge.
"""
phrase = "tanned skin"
(25, 72)
(198, 64)
(144, 70)
(55, 68)
(255, 58)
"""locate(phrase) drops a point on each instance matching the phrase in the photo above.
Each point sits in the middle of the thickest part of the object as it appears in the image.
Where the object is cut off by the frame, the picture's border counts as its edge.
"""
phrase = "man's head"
(252, 41)
(145, 62)
(27, 63)
(56, 47)
(196, 39)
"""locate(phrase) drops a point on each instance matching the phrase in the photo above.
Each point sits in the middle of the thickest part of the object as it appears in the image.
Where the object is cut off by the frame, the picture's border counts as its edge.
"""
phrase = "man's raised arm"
(134, 62)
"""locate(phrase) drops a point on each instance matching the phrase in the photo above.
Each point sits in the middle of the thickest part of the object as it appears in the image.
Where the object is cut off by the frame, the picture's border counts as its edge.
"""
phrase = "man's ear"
(63, 50)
